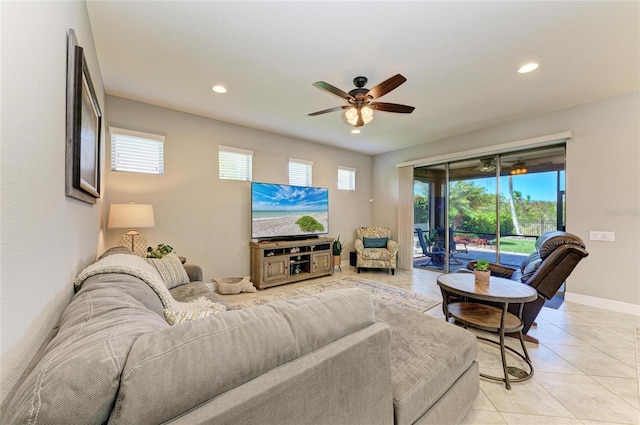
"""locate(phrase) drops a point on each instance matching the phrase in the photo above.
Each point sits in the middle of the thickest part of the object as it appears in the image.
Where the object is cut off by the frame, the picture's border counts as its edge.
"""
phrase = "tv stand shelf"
(281, 262)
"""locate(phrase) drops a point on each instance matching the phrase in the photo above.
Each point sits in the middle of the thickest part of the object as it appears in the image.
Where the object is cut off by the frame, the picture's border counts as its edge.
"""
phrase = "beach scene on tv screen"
(282, 210)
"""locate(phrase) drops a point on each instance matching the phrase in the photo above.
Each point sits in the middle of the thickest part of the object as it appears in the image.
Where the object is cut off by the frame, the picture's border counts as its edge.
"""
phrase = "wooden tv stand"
(278, 263)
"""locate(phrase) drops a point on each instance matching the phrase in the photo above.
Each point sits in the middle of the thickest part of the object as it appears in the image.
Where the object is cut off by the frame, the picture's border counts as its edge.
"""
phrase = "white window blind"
(346, 178)
(136, 152)
(300, 172)
(234, 163)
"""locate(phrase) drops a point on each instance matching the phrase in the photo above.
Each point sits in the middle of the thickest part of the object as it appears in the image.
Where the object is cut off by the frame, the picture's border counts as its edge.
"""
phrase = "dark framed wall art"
(84, 123)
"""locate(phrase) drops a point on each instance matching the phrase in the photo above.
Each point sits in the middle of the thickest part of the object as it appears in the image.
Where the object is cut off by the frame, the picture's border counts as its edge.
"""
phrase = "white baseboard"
(618, 306)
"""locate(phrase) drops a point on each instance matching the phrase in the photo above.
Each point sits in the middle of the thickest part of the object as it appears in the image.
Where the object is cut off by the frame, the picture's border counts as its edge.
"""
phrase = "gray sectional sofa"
(335, 358)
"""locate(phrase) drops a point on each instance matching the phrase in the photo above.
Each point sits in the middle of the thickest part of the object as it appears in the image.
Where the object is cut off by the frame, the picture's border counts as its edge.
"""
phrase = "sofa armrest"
(358, 245)
(194, 272)
(213, 355)
(392, 246)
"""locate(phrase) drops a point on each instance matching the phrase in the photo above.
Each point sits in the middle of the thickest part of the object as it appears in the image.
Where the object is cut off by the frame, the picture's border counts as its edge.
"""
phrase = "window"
(136, 152)
(300, 172)
(234, 163)
(346, 178)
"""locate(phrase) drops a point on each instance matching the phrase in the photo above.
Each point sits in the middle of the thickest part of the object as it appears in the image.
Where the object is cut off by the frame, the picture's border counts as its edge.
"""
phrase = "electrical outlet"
(596, 235)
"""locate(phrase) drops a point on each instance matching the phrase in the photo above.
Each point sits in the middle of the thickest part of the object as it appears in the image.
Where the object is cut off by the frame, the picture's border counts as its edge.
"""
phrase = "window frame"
(148, 141)
(239, 154)
(351, 179)
(305, 172)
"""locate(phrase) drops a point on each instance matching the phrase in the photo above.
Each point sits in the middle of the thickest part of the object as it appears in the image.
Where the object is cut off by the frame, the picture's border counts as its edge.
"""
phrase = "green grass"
(523, 246)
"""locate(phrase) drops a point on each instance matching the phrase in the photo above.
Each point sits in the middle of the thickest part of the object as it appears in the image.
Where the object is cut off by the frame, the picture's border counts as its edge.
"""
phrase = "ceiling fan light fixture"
(351, 115)
(518, 168)
(367, 114)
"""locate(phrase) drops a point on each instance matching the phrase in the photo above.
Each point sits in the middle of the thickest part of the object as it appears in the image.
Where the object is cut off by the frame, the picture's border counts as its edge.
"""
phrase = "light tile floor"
(585, 367)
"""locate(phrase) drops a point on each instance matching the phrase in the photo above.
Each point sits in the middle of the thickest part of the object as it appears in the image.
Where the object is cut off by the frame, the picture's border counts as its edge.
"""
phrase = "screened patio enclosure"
(491, 207)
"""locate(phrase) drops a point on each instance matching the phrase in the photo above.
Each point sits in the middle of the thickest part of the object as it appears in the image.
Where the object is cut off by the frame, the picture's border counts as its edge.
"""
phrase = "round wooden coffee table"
(470, 313)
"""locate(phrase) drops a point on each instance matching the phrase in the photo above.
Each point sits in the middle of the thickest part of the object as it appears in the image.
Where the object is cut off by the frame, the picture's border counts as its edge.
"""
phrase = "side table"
(489, 318)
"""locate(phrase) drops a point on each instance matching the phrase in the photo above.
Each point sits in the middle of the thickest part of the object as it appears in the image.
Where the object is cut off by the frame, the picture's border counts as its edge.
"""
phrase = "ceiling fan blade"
(386, 86)
(392, 107)
(332, 89)
(337, 108)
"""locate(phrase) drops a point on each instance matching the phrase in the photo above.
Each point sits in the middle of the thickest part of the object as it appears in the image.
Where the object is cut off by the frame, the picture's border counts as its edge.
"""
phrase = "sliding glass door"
(491, 207)
(472, 212)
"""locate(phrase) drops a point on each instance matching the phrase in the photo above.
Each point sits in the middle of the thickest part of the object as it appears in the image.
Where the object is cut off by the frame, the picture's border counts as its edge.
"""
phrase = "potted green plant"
(159, 252)
(337, 250)
(482, 272)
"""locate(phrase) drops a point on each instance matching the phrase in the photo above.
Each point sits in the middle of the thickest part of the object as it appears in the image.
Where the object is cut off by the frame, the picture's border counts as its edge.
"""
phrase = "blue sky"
(539, 186)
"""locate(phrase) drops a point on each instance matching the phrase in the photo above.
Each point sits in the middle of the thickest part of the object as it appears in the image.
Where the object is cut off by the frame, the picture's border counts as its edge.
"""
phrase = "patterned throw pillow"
(375, 242)
(171, 269)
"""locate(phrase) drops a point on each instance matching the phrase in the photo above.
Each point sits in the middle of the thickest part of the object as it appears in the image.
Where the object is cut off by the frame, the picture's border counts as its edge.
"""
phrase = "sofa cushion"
(78, 377)
(131, 286)
(376, 254)
(171, 269)
(427, 357)
(199, 360)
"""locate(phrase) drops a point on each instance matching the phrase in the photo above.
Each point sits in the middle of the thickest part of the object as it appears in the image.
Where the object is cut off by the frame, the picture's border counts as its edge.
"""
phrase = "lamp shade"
(130, 216)
(351, 115)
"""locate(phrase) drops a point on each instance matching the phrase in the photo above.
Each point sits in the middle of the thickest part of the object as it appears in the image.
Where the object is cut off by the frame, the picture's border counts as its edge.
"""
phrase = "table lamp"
(131, 216)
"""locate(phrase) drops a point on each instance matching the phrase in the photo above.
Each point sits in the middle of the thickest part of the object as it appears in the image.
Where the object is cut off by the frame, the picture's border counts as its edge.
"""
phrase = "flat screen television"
(281, 212)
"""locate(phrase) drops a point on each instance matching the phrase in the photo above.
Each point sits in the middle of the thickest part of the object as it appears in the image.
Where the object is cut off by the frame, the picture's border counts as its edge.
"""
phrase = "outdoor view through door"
(457, 206)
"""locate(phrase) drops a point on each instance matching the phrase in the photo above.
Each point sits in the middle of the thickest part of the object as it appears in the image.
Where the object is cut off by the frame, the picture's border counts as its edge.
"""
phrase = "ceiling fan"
(486, 165)
(359, 111)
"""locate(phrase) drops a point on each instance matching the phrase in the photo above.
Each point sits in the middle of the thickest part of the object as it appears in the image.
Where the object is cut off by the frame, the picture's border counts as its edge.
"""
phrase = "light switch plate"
(596, 235)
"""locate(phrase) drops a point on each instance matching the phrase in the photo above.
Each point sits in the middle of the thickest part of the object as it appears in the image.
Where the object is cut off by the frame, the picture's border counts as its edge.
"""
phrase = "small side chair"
(375, 248)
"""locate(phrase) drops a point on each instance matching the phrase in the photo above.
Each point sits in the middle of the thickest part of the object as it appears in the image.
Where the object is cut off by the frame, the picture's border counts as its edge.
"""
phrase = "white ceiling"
(459, 58)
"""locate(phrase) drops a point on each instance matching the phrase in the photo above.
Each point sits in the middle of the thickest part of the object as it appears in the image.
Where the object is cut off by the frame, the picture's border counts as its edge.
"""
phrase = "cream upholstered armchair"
(375, 249)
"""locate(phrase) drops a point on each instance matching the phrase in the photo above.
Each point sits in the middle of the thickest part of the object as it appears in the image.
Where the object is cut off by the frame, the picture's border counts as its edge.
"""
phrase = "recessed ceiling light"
(528, 68)
(219, 89)
(355, 131)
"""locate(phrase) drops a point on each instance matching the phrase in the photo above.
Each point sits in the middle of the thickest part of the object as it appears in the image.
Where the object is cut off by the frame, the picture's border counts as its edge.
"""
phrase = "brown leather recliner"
(557, 254)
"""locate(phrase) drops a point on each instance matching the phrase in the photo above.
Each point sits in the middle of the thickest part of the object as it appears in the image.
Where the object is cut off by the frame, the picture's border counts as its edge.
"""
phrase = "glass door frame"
(445, 191)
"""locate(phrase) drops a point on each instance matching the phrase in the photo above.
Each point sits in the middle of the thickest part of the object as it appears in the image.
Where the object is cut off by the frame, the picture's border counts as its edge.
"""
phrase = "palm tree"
(512, 205)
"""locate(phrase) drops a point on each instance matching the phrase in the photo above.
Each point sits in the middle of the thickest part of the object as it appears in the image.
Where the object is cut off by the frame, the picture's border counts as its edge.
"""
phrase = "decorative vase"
(482, 277)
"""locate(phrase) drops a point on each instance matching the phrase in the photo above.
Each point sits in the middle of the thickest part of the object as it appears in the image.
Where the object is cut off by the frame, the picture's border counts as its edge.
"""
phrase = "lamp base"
(135, 242)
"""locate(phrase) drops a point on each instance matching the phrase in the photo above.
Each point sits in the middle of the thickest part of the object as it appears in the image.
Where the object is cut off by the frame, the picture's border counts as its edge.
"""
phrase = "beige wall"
(207, 219)
(602, 186)
(47, 238)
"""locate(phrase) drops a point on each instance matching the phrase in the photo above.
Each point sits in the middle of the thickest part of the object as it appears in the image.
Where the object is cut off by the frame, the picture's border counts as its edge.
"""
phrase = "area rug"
(378, 291)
